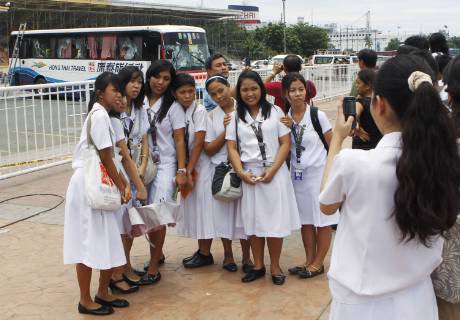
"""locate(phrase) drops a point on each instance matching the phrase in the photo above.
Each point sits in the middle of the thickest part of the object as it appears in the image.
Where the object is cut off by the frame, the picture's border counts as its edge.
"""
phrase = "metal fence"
(41, 124)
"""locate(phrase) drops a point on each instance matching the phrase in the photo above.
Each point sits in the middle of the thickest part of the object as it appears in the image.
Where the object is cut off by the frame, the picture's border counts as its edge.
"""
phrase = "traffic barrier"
(40, 125)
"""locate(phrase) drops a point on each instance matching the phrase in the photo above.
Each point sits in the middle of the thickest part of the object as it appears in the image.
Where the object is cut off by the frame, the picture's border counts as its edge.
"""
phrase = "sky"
(412, 16)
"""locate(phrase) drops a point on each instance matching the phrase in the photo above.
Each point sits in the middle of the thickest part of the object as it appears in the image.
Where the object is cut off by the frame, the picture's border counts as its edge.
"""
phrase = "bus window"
(151, 46)
(186, 50)
(42, 48)
(80, 48)
(130, 47)
(64, 48)
(92, 47)
(109, 47)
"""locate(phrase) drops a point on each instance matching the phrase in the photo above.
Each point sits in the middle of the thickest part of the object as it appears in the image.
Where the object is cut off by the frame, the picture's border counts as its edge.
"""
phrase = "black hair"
(368, 57)
(438, 43)
(219, 78)
(419, 42)
(183, 79)
(102, 82)
(367, 76)
(286, 84)
(210, 60)
(129, 73)
(154, 71)
(442, 60)
(451, 78)
(292, 63)
(428, 57)
(427, 198)
(242, 107)
(406, 49)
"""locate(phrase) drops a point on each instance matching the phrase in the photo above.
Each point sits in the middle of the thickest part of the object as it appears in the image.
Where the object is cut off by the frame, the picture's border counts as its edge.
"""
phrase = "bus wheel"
(40, 80)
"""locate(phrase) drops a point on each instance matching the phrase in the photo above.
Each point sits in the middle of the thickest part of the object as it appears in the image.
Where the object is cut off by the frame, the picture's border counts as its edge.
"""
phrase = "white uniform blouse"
(272, 130)
(102, 134)
(368, 257)
(314, 154)
(174, 119)
(138, 121)
(214, 128)
(195, 120)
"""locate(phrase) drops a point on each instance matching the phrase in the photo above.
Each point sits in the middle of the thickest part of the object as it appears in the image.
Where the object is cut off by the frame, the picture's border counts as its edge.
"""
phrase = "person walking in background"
(366, 135)
(291, 63)
(381, 262)
(367, 59)
(215, 64)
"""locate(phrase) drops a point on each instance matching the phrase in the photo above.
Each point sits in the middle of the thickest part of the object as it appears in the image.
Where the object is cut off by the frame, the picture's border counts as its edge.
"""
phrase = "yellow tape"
(28, 162)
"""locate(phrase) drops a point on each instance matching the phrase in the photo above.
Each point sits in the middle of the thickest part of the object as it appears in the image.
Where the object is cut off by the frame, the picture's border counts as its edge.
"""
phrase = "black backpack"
(317, 126)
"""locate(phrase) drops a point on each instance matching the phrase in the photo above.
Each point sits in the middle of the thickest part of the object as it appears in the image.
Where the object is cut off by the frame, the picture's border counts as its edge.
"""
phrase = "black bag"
(226, 185)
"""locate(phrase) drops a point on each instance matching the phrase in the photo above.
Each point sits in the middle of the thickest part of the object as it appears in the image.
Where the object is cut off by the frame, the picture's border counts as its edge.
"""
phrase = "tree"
(368, 41)
(454, 42)
(393, 44)
(310, 39)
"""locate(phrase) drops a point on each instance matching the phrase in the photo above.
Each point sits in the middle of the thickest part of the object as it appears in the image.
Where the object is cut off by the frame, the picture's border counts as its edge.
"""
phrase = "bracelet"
(143, 156)
(182, 170)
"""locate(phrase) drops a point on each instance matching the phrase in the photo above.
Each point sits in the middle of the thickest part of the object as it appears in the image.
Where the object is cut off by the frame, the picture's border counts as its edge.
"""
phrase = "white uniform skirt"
(197, 207)
(415, 303)
(268, 209)
(224, 214)
(91, 237)
(164, 185)
(307, 193)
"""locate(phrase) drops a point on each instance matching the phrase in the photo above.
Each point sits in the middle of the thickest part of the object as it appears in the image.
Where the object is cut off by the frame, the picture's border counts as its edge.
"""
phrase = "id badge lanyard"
(298, 131)
(260, 139)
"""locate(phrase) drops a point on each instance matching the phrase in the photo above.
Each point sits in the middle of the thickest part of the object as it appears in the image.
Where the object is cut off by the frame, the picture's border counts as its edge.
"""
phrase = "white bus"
(63, 55)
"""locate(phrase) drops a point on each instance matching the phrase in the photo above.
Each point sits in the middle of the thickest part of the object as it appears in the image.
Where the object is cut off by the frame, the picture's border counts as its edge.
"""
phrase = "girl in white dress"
(267, 209)
(196, 198)
(308, 158)
(167, 148)
(92, 237)
(134, 121)
(224, 212)
(396, 200)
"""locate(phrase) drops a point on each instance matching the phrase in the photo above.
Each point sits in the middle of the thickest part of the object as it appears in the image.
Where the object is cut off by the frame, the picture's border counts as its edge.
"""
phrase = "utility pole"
(284, 25)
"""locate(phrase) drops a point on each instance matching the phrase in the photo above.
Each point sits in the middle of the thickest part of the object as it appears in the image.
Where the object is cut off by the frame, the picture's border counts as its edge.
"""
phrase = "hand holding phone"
(349, 108)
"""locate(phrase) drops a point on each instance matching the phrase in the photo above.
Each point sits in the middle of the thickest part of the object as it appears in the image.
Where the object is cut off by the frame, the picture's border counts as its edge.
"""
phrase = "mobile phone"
(349, 108)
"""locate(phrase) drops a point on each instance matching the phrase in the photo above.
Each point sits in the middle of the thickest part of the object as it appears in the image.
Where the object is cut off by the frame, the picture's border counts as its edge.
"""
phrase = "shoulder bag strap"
(317, 126)
(89, 139)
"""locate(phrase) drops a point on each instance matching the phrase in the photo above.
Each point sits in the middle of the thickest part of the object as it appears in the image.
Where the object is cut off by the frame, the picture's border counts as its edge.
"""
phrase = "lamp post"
(284, 25)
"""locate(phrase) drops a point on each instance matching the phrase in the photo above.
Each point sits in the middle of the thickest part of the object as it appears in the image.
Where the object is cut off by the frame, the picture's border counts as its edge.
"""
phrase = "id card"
(298, 175)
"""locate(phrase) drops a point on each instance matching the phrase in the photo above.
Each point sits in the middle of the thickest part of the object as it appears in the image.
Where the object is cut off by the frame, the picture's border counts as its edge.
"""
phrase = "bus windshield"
(186, 50)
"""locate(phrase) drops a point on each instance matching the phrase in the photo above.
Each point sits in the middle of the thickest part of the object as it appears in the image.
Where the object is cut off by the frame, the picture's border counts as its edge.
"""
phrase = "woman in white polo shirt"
(267, 209)
(396, 200)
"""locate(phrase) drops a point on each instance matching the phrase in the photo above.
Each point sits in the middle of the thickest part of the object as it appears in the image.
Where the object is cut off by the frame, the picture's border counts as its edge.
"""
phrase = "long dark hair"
(154, 71)
(102, 82)
(427, 198)
(286, 84)
(452, 80)
(129, 73)
(242, 108)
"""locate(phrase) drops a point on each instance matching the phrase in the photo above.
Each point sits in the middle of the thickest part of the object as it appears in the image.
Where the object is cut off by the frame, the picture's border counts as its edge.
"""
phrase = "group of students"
(396, 200)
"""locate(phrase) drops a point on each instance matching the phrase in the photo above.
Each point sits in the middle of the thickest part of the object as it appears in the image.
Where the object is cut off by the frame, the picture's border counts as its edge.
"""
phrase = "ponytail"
(427, 198)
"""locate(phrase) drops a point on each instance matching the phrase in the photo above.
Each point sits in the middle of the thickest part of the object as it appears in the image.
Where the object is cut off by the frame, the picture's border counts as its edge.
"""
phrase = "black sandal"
(113, 286)
(311, 273)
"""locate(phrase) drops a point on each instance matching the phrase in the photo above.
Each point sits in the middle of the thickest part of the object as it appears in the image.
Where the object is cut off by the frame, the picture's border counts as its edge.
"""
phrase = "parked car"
(260, 64)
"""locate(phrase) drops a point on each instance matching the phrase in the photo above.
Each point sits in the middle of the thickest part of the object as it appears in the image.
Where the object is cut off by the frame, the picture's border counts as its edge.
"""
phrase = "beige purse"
(150, 170)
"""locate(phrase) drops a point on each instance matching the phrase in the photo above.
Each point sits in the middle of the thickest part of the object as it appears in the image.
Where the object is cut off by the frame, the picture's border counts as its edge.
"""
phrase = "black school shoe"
(149, 279)
(296, 270)
(191, 257)
(247, 267)
(254, 275)
(278, 279)
(310, 274)
(230, 267)
(199, 260)
(101, 311)
(117, 303)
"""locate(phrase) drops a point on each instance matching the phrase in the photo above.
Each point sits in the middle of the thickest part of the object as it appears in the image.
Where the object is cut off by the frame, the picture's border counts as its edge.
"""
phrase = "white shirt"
(214, 128)
(138, 120)
(174, 119)
(117, 126)
(314, 154)
(368, 258)
(272, 130)
(195, 121)
(102, 134)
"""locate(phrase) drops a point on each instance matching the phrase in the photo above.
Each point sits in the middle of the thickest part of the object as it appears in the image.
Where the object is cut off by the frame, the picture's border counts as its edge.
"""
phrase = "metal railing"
(40, 125)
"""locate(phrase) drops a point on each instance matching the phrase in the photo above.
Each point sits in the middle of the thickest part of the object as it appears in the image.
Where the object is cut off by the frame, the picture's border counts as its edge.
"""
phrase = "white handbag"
(151, 169)
(145, 218)
(100, 190)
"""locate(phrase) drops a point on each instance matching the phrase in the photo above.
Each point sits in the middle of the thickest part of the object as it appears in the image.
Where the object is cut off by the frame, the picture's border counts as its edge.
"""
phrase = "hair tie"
(417, 78)
(215, 77)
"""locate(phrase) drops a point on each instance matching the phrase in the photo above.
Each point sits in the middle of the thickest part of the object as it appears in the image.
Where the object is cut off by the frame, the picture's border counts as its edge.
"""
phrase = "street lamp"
(284, 25)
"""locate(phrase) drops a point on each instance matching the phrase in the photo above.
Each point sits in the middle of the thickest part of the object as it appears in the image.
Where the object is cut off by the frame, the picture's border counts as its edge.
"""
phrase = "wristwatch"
(182, 170)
